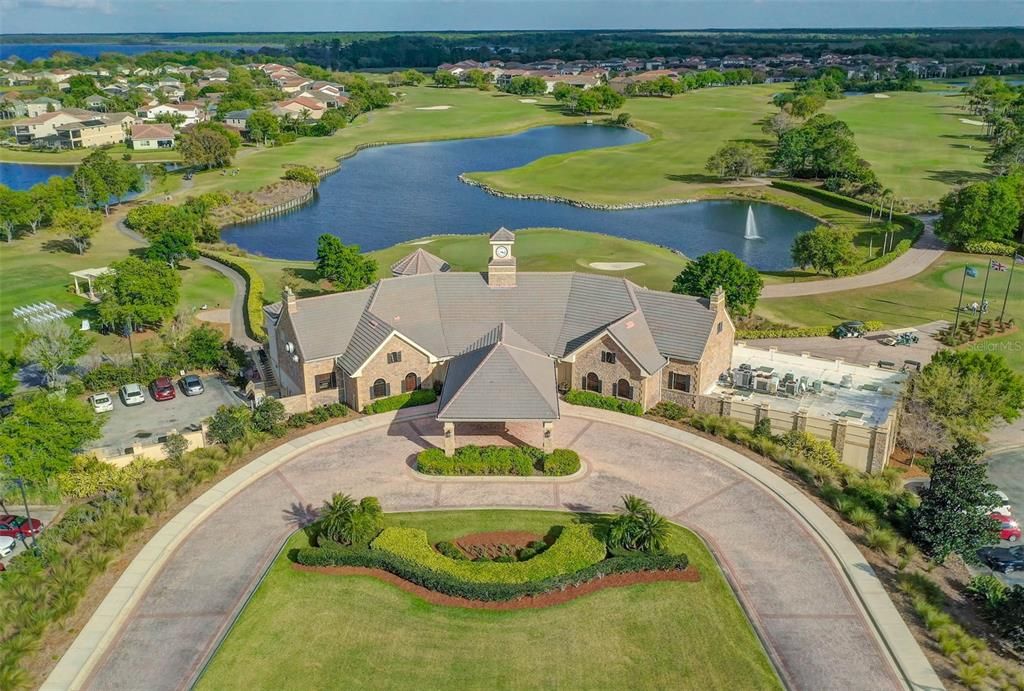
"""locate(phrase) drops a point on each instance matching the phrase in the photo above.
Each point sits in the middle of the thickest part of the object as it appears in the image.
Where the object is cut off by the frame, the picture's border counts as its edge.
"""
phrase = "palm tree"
(335, 518)
(639, 527)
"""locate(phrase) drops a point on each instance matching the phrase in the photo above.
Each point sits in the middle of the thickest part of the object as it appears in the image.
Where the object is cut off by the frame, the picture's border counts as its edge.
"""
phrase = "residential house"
(299, 107)
(42, 128)
(86, 134)
(218, 74)
(293, 85)
(12, 106)
(152, 137)
(16, 79)
(192, 112)
(96, 102)
(238, 118)
(42, 104)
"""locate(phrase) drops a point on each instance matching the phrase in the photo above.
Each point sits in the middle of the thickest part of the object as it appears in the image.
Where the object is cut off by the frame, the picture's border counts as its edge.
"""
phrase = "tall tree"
(14, 204)
(100, 179)
(981, 211)
(343, 264)
(172, 245)
(263, 126)
(205, 147)
(43, 433)
(137, 292)
(78, 225)
(736, 160)
(825, 249)
(53, 345)
(954, 515)
(741, 283)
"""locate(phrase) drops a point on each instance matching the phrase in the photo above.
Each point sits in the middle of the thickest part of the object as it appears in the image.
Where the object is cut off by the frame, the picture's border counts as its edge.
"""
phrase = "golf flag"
(971, 271)
(998, 266)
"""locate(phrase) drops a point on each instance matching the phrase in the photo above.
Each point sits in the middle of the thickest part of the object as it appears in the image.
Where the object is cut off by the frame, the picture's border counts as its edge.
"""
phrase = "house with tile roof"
(498, 345)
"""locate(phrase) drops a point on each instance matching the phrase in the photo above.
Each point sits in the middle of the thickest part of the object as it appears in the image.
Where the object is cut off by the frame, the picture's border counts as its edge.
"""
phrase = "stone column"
(449, 439)
(549, 443)
(840, 437)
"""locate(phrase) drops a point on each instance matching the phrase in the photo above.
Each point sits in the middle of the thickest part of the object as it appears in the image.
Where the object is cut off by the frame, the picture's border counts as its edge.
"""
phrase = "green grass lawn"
(306, 630)
(929, 296)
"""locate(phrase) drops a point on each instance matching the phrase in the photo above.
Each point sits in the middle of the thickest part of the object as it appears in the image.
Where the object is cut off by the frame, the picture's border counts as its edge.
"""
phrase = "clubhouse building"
(498, 346)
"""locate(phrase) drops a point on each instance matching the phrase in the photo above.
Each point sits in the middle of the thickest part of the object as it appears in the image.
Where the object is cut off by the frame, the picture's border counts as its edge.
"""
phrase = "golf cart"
(900, 337)
(851, 329)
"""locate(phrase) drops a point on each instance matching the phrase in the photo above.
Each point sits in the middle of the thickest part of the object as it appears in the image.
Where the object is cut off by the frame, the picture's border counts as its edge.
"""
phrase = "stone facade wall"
(589, 360)
(377, 367)
(290, 374)
(683, 398)
(717, 356)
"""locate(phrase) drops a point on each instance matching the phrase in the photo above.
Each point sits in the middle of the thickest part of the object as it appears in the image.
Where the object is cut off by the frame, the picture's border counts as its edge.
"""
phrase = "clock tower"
(501, 270)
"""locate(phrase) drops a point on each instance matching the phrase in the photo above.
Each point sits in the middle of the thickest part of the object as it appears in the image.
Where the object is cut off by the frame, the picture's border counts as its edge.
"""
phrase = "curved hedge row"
(399, 401)
(253, 292)
(1004, 249)
(596, 400)
(798, 331)
(449, 584)
(576, 548)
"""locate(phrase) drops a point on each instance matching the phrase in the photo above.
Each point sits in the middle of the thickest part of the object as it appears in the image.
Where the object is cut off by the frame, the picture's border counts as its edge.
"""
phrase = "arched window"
(411, 382)
(622, 389)
(379, 389)
(592, 383)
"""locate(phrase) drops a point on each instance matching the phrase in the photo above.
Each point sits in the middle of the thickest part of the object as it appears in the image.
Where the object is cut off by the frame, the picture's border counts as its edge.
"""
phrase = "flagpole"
(1009, 280)
(959, 304)
(981, 307)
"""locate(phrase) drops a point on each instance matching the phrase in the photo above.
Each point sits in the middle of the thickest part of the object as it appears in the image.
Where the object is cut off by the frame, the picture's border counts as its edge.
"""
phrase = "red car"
(1008, 528)
(16, 526)
(162, 389)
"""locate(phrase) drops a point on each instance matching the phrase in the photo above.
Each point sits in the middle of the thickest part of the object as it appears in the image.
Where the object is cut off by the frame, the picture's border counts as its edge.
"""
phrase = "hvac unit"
(816, 386)
(847, 382)
(743, 378)
(791, 386)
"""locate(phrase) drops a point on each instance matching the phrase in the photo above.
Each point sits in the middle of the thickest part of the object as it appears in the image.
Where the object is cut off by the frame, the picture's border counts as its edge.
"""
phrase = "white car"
(1003, 505)
(102, 402)
(7, 545)
(132, 394)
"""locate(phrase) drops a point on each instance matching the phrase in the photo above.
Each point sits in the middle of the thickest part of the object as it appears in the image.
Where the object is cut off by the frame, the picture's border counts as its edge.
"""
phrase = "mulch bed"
(619, 580)
(492, 543)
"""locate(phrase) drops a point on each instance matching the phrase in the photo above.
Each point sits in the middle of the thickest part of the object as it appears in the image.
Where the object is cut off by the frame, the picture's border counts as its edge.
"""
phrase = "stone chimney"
(717, 300)
(291, 304)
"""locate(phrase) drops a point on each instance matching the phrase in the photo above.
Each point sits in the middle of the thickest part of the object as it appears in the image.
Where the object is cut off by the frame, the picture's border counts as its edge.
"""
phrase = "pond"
(21, 176)
(392, 194)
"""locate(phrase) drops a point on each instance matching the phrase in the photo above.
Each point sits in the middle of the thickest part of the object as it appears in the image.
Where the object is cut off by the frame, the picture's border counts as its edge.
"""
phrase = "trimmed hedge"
(449, 584)
(402, 400)
(561, 462)
(253, 292)
(1003, 249)
(479, 460)
(596, 400)
(497, 460)
(321, 413)
(576, 548)
(798, 331)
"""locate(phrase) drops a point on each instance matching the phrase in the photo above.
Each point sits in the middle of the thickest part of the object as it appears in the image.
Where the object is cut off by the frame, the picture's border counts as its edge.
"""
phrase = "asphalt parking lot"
(863, 351)
(1006, 471)
(12, 500)
(147, 422)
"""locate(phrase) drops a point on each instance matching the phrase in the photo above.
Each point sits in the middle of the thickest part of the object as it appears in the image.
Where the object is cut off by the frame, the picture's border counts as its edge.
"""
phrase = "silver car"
(132, 394)
(102, 402)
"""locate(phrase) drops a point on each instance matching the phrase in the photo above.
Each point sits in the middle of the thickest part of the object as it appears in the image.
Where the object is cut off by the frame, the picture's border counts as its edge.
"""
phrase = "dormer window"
(608, 356)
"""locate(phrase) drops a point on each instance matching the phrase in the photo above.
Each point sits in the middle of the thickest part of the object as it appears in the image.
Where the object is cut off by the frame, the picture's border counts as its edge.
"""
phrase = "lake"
(392, 194)
(32, 51)
(21, 176)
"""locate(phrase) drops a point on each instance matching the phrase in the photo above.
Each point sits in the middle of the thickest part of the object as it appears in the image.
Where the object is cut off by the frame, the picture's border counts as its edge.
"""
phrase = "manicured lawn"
(303, 630)
(65, 157)
(929, 296)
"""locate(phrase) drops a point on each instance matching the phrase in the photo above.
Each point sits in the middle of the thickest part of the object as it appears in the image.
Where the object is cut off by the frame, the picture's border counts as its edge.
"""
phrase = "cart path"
(817, 606)
(923, 254)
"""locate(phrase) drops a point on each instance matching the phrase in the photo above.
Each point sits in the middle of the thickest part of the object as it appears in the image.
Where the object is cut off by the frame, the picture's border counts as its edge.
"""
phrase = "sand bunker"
(881, 95)
(614, 266)
(968, 121)
(433, 108)
(527, 100)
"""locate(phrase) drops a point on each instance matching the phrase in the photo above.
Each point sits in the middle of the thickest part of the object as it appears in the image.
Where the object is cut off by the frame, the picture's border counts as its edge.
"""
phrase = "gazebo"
(501, 378)
(88, 275)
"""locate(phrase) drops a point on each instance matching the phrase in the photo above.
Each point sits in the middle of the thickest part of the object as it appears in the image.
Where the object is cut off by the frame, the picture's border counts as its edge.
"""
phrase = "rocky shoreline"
(573, 202)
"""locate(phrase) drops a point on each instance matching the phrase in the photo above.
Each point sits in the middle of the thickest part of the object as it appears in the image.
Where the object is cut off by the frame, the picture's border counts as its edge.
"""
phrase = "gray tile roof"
(506, 379)
(419, 262)
(453, 313)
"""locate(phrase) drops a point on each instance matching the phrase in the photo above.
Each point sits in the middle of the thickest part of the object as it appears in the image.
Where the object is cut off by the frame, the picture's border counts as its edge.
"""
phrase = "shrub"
(988, 590)
(670, 411)
(596, 400)
(575, 548)
(862, 518)
(450, 550)
(229, 424)
(561, 462)
(450, 584)
(1004, 249)
(268, 417)
(884, 540)
(763, 427)
(812, 449)
(476, 460)
(404, 400)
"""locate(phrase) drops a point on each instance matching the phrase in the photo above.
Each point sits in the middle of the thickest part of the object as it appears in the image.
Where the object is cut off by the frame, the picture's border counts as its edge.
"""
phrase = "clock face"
(501, 251)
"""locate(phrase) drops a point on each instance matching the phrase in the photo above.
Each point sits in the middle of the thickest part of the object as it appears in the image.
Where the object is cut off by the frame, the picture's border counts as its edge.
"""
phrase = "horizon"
(98, 17)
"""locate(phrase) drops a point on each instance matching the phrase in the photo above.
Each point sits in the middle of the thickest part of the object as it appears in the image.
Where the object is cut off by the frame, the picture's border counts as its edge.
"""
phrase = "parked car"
(1002, 504)
(162, 389)
(889, 341)
(7, 545)
(131, 394)
(192, 385)
(1004, 559)
(16, 526)
(1009, 529)
(102, 402)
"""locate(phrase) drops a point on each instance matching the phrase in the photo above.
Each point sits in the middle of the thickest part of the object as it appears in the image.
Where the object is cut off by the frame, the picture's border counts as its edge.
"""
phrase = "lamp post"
(24, 499)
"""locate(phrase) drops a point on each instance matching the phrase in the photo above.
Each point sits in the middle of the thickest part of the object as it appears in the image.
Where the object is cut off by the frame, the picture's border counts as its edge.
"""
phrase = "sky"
(136, 16)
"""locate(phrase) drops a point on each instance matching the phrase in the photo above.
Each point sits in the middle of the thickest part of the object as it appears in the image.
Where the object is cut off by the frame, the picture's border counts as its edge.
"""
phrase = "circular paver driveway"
(803, 609)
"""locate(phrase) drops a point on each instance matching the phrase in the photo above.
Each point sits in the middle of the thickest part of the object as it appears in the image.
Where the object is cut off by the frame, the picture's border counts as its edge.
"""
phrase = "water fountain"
(751, 231)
